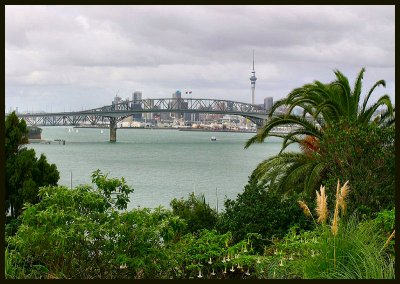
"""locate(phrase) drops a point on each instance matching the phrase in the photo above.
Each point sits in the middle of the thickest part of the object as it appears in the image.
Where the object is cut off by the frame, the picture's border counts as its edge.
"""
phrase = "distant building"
(116, 100)
(165, 116)
(177, 95)
(268, 102)
(137, 104)
(136, 96)
(176, 103)
(149, 115)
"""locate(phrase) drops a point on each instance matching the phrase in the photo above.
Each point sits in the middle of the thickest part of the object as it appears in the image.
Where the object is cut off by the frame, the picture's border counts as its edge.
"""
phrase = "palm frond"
(379, 83)
(365, 117)
(357, 88)
(314, 176)
(308, 128)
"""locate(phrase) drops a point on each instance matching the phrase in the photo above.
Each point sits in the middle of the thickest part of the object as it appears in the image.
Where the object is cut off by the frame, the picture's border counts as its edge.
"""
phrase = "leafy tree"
(196, 212)
(258, 210)
(323, 106)
(24, 172)
(364, 155)
(16, 134)
(80, 233)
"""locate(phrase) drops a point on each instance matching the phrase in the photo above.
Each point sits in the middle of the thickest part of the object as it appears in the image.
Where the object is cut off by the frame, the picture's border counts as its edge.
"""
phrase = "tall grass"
(347, 249)
(10, 271)
(359, 255)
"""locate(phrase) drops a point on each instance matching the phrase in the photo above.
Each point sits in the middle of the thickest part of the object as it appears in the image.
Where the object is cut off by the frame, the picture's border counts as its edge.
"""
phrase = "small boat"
(213, 138)
(69, 129)
(101, 131)
(76, 130)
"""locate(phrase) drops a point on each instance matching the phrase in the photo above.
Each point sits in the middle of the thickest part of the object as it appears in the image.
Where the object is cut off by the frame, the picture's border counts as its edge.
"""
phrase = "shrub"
(258, 210)
(211, 255)
(196, 212)
(79, 233)
(346, 249)
(365, 156)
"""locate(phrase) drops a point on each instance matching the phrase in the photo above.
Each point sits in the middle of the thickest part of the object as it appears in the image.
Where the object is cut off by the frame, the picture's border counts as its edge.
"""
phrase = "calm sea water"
(159, 164)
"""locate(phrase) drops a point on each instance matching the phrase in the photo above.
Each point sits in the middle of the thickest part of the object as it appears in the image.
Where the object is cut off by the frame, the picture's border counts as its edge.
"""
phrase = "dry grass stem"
(389, 239)
(336, 213)
(344, 191)
(322, 207)
(305, 208)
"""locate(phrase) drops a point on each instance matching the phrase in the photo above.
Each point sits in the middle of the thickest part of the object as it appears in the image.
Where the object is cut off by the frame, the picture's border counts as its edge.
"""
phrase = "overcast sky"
(72, 57)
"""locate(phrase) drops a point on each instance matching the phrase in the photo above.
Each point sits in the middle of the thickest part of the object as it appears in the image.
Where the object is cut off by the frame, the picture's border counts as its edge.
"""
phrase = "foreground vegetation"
(79, 233)
(324, 212)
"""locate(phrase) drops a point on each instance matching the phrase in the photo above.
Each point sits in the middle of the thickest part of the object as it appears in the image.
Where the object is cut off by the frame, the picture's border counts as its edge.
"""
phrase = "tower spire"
(253, 59)
(253, 79)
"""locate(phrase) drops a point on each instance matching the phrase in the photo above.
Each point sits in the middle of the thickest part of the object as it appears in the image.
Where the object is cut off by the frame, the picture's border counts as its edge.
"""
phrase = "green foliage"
(113, 186)
(358, 249)
(16, 134)
(386, 220)
(142, 248)
(79, 233)
(14, 270)
(385, 224)
(327, 105)
(24, 172)
(211, 255)
(258, 210)
(364, 155)
(196, 212)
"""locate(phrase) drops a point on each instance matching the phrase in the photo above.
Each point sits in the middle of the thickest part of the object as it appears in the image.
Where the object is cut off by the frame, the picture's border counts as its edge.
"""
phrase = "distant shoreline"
(173, 128)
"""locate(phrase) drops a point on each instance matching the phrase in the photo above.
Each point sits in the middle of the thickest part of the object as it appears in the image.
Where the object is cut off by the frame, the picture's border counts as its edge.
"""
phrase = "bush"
(196, 212)
(211, 255)
(346, 248)
(79, 233)
(258, 210)
(365, 156)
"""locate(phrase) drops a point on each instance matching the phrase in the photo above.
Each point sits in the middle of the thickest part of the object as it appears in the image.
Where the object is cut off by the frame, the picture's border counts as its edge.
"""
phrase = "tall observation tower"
(253, 80)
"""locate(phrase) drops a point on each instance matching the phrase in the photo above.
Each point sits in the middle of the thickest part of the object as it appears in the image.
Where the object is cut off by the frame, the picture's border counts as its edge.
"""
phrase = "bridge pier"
(113, 129)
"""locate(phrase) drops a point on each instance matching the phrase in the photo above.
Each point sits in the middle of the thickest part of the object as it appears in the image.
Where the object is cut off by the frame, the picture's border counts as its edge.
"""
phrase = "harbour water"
(159, 164)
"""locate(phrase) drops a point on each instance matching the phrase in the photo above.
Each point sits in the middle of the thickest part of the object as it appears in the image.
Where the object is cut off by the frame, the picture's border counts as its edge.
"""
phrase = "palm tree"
(323, 106)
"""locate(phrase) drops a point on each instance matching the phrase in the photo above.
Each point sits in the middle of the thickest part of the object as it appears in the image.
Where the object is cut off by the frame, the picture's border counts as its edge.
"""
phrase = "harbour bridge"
(112, 114)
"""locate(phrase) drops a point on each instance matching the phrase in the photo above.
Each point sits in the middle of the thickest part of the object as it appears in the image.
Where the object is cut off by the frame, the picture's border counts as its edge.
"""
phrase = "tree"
(323, 106)
(258, 210)
(16, 134)
(24, 172)
(85, 232)
(365, 156)
(196, 212)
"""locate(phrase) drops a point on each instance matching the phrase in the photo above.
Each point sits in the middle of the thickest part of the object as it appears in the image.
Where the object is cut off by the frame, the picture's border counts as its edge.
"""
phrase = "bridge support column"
(113, 130)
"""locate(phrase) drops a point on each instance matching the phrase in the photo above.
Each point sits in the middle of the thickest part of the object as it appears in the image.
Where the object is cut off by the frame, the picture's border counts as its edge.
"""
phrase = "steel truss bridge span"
(114, 113)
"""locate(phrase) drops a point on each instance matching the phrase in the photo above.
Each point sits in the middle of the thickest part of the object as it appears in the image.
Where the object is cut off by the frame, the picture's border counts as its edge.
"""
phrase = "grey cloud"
(53, 50)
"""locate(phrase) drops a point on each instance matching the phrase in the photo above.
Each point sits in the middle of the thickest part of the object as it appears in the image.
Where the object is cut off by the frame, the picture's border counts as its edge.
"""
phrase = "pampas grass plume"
(322, 207)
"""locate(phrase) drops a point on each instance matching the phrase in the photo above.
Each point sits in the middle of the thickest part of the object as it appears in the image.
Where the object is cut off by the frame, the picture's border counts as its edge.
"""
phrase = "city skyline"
(73, 57)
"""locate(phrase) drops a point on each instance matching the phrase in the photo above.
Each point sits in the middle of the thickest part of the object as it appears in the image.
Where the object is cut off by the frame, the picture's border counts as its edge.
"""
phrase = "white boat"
(69, 129)
(101, 131)
(213, 138)
(76, 130)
